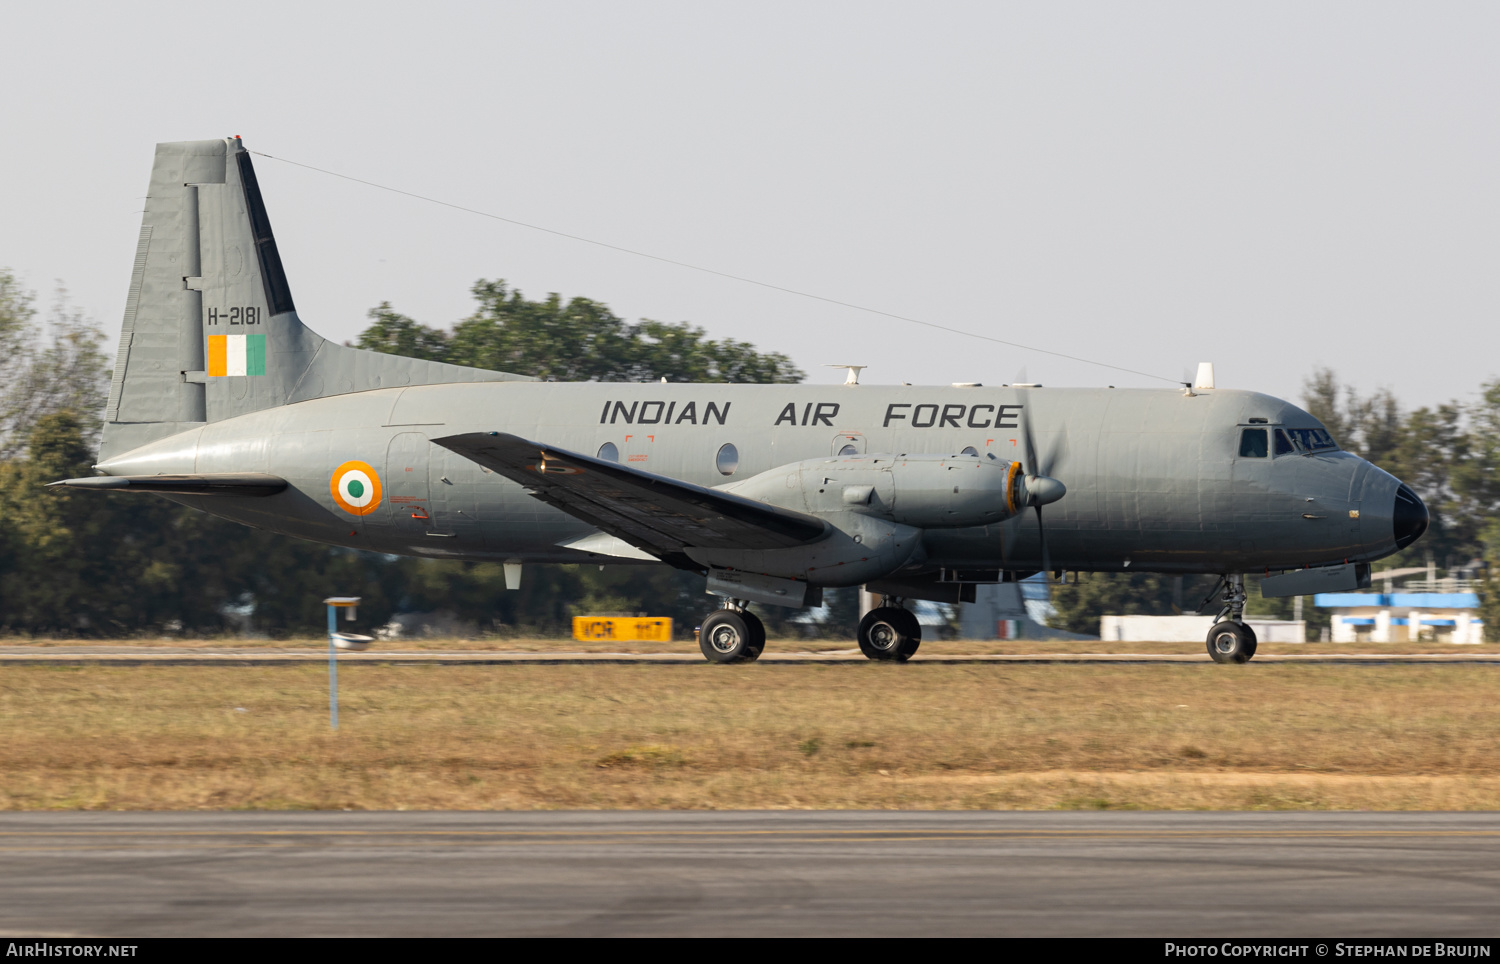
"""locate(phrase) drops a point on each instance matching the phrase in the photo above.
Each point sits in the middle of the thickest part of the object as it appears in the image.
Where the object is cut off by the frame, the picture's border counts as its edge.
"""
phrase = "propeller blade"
(1028, 443)
(1041, 534)
(1041, 488)
(1056, 452)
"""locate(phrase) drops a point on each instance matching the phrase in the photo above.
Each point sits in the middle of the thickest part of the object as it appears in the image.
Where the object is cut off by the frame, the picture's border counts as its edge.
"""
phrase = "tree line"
(94, 564)
(109, 565)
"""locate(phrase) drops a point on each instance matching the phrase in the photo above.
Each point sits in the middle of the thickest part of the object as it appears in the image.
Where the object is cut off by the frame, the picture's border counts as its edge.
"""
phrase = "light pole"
(336, 642)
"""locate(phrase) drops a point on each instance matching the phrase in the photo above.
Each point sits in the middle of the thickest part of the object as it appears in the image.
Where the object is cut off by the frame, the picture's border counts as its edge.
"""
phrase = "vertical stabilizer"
(162, 333)
(210, 329)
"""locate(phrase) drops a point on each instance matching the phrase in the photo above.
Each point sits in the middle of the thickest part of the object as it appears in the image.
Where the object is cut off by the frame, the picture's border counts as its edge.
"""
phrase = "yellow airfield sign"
(623, 629)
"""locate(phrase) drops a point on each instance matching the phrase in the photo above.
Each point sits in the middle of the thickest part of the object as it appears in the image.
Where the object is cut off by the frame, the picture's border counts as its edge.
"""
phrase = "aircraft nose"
(1409, 517)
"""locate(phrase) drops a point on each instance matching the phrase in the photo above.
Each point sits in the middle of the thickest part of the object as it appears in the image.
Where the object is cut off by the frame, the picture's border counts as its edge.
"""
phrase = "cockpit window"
(1253, 444)
(1311, 439)
(1303, 441)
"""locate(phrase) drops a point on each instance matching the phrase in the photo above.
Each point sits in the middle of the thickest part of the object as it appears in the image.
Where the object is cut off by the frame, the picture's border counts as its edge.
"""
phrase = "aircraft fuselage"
(1155, 479)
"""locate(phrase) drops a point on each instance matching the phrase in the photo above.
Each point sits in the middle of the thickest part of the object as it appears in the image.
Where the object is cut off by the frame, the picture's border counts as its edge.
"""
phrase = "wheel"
(1231, 642)
(727, 637)
(889, 633)
(757, 634)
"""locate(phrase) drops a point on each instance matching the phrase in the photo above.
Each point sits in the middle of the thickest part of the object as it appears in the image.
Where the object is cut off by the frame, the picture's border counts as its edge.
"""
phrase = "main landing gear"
(733, 634)
(889, 632)
(1230, 640)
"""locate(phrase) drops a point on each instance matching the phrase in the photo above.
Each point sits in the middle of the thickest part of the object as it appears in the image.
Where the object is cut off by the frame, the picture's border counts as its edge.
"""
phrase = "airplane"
(223, 400)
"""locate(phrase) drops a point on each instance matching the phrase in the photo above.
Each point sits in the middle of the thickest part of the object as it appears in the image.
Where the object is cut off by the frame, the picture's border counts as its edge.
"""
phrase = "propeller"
(1038, 486)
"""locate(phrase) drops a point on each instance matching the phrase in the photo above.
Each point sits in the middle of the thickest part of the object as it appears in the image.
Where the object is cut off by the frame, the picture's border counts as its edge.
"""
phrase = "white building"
(1367, 617)
(1187, 629)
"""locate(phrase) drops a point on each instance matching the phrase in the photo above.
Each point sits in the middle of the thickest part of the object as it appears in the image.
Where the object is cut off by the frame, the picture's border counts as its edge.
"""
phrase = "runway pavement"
(262, 656)
(750, 873)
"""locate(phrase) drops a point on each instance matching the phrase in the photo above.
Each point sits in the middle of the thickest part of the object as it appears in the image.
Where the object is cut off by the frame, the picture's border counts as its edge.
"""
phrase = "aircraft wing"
(660, 515)
(237, 483)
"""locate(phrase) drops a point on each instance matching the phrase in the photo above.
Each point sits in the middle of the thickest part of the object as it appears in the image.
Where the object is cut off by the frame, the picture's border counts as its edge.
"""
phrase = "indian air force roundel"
(355, 487)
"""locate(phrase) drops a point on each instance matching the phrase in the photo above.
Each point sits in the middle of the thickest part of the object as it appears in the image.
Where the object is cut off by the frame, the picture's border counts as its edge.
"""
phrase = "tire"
(726, 637)
(889, 633)
(757, 634)
(1231, 642)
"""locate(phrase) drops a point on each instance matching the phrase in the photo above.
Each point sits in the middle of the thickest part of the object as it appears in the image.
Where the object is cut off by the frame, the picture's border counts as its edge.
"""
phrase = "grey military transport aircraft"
(224, 401)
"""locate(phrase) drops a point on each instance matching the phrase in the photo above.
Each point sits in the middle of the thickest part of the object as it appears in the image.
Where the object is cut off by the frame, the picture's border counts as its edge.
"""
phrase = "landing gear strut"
(889, 632)
(1230, 640)
(733, 634)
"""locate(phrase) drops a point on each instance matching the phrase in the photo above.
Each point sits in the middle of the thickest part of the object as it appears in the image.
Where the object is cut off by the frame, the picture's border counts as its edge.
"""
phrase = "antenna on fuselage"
(1204, 379)
(853, 377)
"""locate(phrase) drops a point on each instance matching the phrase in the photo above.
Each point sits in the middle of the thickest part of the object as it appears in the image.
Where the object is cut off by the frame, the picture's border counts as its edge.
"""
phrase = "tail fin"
(210, 329)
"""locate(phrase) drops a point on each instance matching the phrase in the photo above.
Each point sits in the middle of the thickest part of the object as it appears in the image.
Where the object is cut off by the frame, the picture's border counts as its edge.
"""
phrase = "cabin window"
(728, 459)
(970, 450)
(1253, 444)
(848, 450)
(1283, 444)
(609, 453)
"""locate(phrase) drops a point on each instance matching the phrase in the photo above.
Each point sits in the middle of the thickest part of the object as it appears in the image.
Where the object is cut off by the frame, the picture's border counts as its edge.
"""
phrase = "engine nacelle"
(926, 491)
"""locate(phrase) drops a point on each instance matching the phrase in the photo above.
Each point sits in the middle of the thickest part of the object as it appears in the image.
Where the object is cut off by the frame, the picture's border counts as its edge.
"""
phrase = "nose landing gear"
(732, 635)
(1231, 640)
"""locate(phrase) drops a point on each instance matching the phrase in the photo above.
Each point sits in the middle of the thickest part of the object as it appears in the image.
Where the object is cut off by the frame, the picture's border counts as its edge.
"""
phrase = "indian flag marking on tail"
(236, 354)
(255, 354)
(216, 359)
(355, 487)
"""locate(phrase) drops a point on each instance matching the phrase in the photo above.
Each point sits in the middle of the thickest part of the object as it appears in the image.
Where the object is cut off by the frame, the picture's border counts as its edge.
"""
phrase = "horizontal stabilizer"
(242, 484)
(652, 512)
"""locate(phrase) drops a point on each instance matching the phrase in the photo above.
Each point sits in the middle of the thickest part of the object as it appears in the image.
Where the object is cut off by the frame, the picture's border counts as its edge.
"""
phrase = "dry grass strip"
(685, 644)
(980, 736)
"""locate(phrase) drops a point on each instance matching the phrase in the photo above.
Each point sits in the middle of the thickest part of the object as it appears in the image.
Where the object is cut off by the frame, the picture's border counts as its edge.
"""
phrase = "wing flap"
(652, 512)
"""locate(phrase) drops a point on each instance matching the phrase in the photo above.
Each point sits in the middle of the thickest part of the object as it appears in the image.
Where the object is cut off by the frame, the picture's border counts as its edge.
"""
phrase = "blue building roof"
(1410, 600)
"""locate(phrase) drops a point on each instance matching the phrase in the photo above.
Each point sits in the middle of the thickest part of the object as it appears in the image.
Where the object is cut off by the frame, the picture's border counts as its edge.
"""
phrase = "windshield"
(1308, 440)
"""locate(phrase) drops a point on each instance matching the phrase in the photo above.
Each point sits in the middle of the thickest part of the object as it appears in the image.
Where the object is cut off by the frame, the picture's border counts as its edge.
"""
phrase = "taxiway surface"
(127, 655)
(750, 873)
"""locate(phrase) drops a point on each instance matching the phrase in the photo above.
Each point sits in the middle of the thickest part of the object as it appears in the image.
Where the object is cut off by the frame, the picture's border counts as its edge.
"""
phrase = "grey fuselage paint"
(1154, 480)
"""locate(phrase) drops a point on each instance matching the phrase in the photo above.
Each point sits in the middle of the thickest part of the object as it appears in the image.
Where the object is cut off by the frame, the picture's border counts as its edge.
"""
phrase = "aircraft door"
(406, 482)
(848, 443)
(451, 480)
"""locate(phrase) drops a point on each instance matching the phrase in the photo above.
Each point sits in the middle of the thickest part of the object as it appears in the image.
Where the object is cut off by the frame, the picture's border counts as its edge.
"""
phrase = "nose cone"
(1409, 517)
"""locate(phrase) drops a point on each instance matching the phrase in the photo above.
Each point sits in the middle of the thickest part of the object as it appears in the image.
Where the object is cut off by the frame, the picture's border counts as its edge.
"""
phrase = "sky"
(1272, 187)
